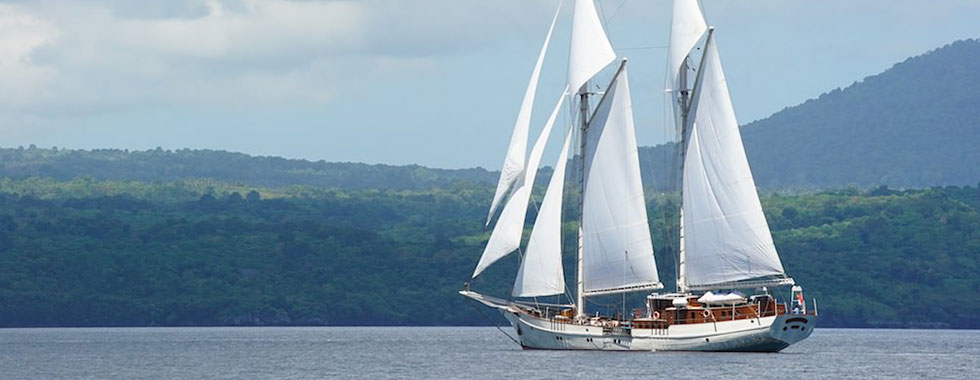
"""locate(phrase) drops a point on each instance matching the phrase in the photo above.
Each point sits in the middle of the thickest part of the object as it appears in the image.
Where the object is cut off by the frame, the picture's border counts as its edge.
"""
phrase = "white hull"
(768, 334)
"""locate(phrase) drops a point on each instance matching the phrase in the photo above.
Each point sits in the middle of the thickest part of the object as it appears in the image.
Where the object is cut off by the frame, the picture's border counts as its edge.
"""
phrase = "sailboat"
(725, 246)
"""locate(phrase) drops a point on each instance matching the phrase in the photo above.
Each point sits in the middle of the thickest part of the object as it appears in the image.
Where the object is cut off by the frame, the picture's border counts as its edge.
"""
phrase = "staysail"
(541, 272)
(617, 253)
(513, 165)
(506, 235)
(727, 242)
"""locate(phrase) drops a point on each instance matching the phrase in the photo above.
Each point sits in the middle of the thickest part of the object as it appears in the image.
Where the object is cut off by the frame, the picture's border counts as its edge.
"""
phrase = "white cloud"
(63, 58)
(21, 35)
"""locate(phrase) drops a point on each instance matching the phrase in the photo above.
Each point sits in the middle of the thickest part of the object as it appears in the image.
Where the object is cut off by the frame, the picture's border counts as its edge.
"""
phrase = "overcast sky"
(433, 82)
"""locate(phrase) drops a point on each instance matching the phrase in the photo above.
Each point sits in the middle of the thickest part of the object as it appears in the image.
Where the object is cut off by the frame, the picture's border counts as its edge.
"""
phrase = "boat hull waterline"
(765, 334)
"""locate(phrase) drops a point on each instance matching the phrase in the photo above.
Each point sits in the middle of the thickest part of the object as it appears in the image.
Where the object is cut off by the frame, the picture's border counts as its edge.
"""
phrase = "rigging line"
(602, 15)
(472, 303)
(606, 305)
(645, 47)
(616, 12)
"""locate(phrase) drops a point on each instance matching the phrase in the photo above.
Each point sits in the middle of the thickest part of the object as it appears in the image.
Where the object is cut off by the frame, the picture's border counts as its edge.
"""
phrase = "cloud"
(67, 58)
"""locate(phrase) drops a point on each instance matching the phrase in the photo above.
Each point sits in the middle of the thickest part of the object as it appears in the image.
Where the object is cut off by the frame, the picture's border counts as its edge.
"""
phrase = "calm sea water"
(456, 352)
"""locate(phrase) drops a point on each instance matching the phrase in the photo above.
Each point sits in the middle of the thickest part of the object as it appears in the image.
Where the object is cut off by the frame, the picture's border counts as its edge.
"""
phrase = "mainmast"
(583, 94)
(683, 106)
(686, 105)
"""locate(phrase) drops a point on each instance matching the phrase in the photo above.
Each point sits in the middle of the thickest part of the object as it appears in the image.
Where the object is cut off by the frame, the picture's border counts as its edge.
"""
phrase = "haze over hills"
(915, 125)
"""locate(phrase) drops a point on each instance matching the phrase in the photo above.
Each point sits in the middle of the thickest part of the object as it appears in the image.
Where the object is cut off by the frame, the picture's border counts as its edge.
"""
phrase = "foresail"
(727, 239)
(541, 272)
(506, 235)
(590, 50)
(513, 167)
(617, 251)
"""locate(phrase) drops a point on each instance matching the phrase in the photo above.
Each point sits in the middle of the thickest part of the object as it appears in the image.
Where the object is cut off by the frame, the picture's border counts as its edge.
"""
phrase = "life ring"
(706, 313)
(656, 315)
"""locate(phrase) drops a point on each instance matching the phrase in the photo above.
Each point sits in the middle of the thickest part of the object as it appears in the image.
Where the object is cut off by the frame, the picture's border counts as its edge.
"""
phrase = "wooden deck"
(663, 314)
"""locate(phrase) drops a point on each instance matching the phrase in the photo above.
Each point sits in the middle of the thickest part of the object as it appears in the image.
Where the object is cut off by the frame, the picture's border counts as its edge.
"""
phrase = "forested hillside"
(167, 165)
(914, 125)
(127, 253)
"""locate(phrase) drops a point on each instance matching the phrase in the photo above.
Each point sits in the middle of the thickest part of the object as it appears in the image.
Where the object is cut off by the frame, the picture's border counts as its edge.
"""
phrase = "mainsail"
(541, 272)
(727, 241)
(506, 235)
(513, 165)
(617, 254)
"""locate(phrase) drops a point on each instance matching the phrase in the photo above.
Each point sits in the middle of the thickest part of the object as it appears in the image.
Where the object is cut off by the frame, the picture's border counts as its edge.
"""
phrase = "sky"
(433, 82)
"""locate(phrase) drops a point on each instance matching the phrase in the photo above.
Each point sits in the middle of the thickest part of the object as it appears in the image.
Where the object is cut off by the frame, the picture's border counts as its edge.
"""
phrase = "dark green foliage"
(166, 165)
(366, 257)
(132, 254)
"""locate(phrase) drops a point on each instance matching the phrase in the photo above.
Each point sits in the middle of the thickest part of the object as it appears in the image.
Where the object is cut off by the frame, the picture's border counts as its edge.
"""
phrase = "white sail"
(687, 26)
(590, 48)
(513, 165)
(541, 272)
(506, 235)
(727, 239)
(617, 251)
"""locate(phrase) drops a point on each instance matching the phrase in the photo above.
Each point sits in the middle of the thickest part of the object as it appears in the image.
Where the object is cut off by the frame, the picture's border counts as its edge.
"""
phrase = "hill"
(915, 125)
(166, 165)
(91, 253)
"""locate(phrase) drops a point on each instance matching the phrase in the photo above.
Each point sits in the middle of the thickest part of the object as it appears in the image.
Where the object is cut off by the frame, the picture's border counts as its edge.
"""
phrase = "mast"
(687, 104)
(684, 107)
(583, 94)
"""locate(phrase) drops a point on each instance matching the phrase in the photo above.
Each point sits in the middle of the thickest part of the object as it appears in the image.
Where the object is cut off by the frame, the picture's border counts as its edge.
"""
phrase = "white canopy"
(710, 298)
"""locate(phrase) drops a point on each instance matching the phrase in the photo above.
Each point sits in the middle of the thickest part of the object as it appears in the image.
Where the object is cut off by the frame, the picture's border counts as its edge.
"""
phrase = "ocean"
(457, 353)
